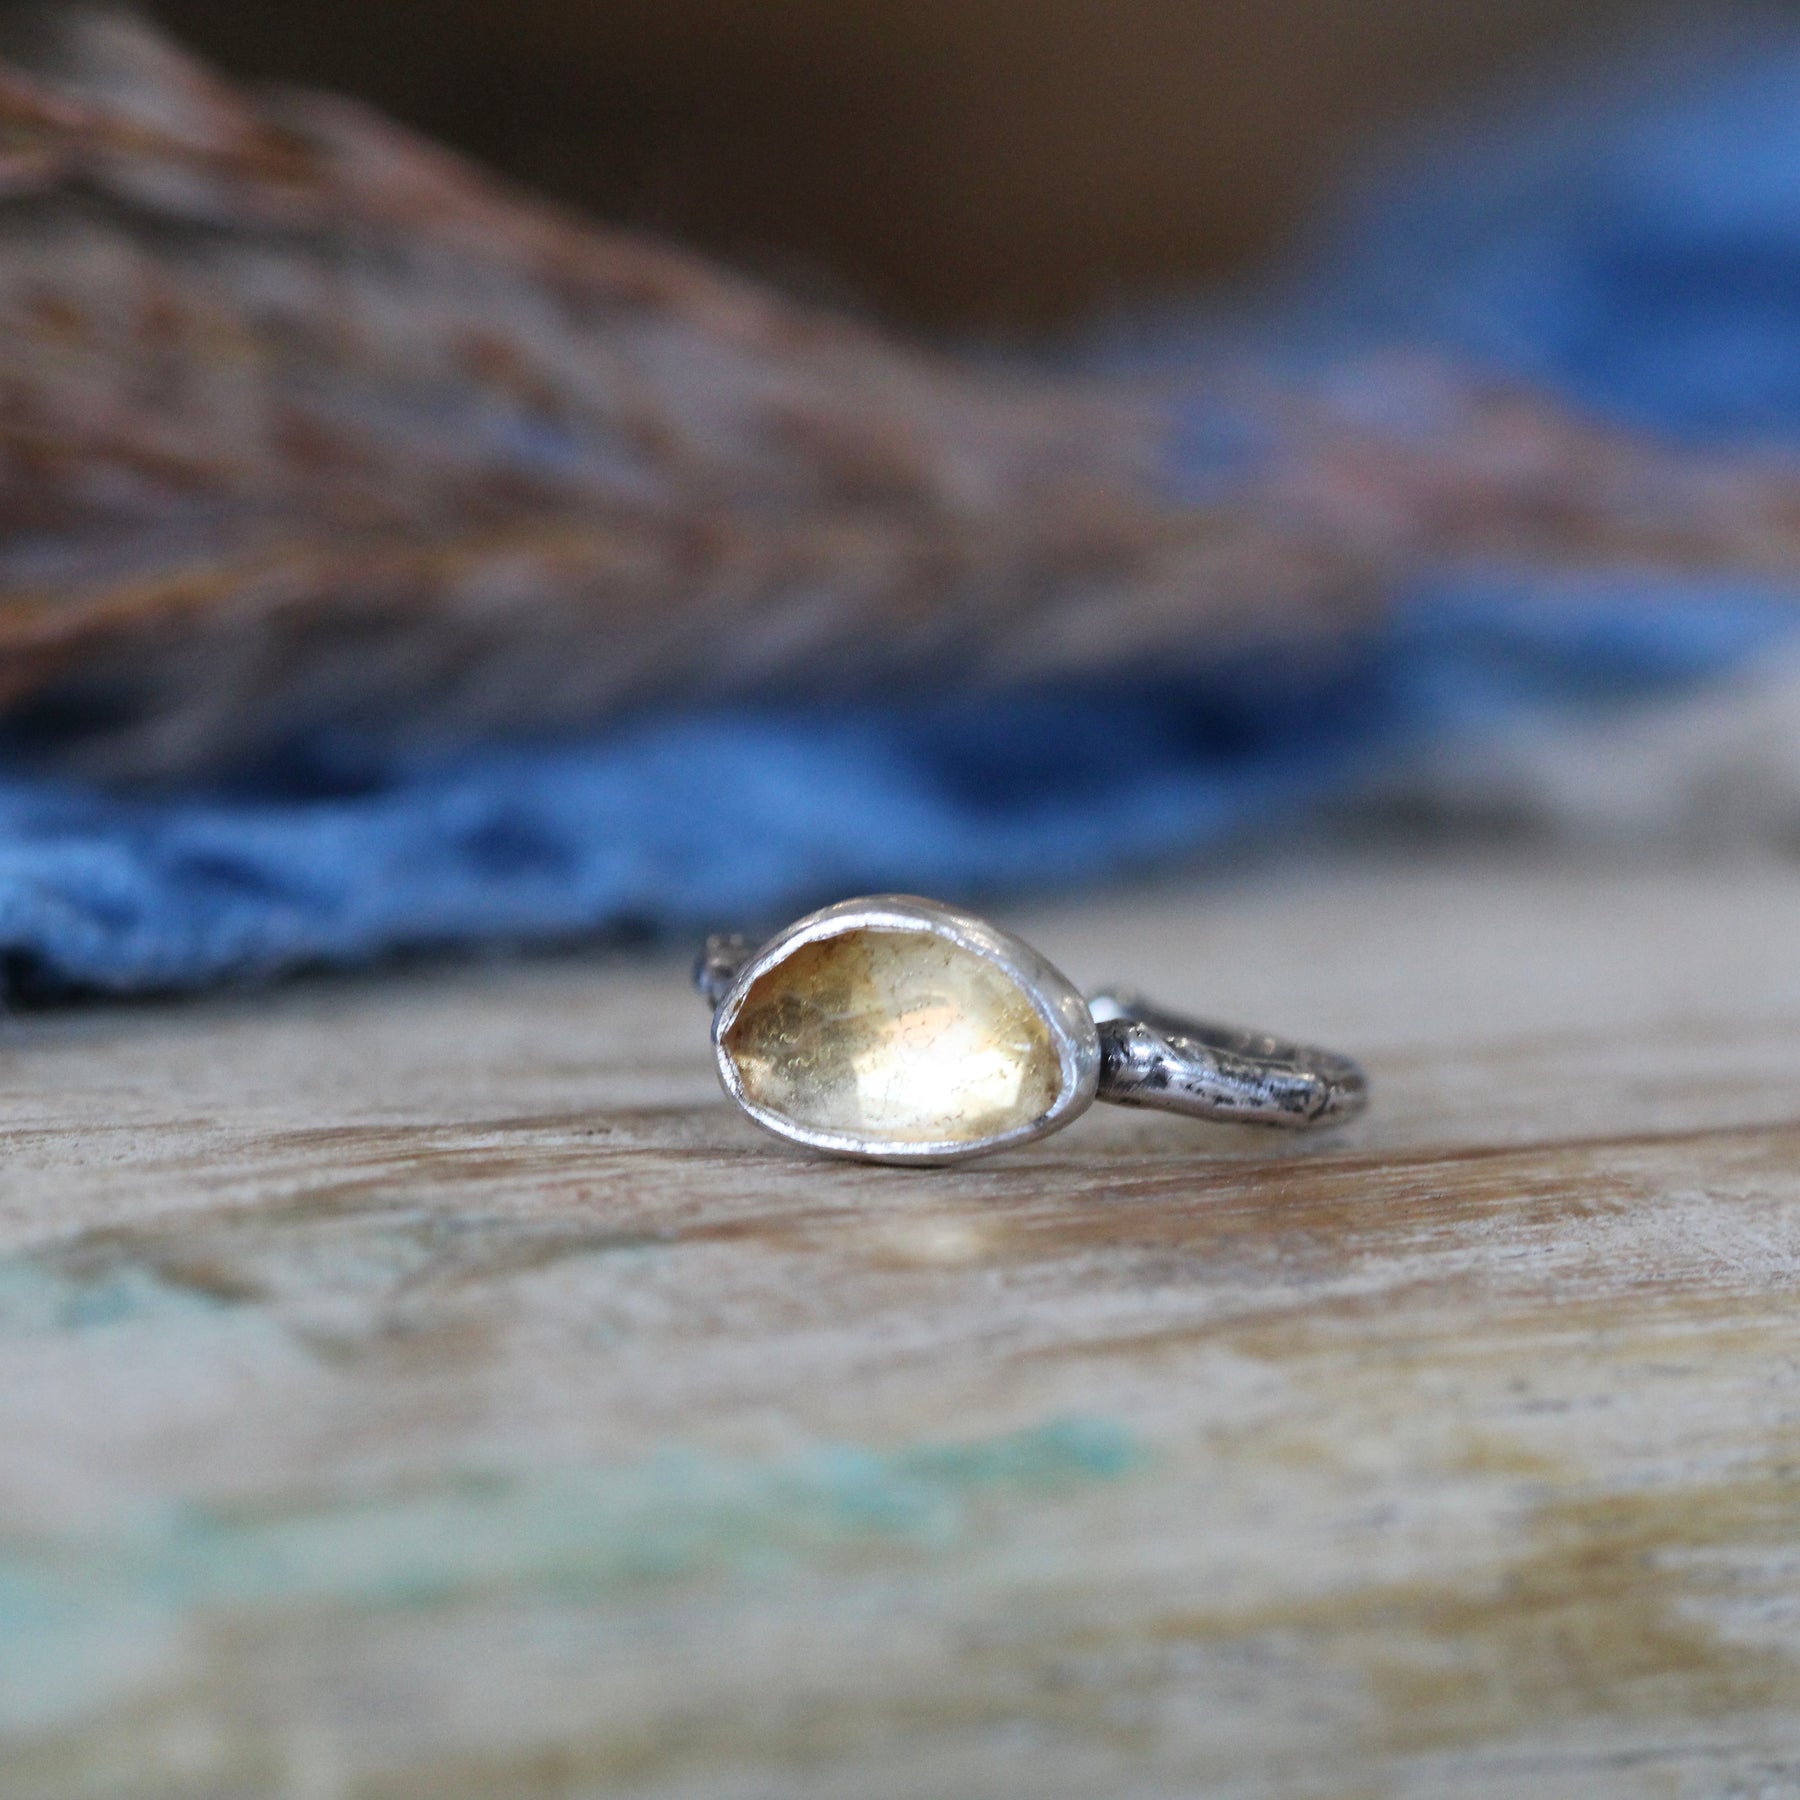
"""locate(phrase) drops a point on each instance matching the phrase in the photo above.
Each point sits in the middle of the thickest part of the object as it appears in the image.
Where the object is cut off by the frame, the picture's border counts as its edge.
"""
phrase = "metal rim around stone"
(1055, 998)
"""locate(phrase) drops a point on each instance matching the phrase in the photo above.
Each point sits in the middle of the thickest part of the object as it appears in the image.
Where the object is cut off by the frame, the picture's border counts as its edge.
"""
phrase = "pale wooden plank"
(423, 1386)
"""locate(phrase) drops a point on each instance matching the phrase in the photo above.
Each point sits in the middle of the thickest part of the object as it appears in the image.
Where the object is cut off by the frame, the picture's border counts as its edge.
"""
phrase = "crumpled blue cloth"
(1645, 260)
(705, 822)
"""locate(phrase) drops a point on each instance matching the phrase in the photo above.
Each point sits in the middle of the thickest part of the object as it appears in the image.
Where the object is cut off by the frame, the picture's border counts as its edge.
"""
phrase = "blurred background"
(1513, 451)
(976, 164)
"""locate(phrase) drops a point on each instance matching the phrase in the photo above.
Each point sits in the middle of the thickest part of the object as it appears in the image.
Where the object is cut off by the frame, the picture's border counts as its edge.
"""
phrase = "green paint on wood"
(82, 1615)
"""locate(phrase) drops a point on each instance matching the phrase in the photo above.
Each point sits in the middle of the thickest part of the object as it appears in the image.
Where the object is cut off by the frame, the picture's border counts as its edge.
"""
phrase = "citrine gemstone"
(899, 1037)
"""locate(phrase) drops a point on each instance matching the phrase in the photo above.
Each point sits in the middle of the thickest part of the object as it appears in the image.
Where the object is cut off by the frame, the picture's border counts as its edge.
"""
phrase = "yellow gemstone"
(900, 1037)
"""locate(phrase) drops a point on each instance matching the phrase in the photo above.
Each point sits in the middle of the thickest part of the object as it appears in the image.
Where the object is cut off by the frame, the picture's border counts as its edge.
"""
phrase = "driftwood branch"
(305, 423)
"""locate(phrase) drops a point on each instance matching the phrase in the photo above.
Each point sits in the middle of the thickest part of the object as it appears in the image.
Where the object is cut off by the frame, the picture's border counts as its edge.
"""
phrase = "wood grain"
(426, 1387)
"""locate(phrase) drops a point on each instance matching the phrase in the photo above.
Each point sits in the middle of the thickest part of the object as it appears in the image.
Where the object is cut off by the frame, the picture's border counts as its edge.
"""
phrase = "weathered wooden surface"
(425, 1387)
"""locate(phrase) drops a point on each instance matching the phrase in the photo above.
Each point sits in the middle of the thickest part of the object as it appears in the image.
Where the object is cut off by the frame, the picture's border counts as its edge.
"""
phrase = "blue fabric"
(697, 822)
(1649, 264)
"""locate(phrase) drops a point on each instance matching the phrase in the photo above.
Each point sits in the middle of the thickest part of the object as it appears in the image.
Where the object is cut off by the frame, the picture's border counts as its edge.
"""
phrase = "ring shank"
(1163, 1060)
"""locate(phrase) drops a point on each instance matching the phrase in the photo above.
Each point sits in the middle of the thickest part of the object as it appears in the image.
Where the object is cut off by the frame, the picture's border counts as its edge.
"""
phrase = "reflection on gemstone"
(896, 1036)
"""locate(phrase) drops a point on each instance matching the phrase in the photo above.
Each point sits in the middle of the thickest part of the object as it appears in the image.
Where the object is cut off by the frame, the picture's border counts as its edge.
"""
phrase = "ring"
(899, 1030)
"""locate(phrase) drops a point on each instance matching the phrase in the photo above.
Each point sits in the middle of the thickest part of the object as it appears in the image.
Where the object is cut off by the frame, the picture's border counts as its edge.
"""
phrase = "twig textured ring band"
(901, 1030)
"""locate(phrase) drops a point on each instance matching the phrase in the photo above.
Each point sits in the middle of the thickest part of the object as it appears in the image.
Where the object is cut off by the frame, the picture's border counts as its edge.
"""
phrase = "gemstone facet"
(897, 1037)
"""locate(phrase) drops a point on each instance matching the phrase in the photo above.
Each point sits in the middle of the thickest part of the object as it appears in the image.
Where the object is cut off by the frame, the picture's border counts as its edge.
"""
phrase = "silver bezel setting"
(1055, 998)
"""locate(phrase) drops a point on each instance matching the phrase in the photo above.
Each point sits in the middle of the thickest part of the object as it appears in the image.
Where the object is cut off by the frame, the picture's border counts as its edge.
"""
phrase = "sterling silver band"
(1153, 1058)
